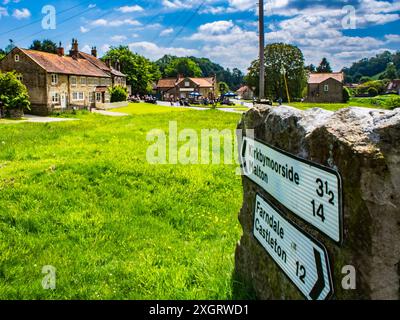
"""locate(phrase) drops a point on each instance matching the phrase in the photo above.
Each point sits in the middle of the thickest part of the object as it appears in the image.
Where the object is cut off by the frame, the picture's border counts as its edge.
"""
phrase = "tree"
(183, 66)
(324, 66)
(141, 72)
(233, 78)
(10, 46)
(2, 54)
(223, 87)
(13, 93)
(282, 60)
(45, 46)
(311, 68)
(118, 94)
(390, 72)
(346, 94)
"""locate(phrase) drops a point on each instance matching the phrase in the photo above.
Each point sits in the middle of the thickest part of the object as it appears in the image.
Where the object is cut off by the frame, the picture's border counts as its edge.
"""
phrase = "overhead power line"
(39, 20)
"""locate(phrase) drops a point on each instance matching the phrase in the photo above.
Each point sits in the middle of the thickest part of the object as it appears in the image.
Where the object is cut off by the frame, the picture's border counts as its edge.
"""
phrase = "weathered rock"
(364, 146)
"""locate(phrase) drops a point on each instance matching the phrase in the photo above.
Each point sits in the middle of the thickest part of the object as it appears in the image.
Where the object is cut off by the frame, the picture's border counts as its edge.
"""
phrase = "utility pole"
(262, 46)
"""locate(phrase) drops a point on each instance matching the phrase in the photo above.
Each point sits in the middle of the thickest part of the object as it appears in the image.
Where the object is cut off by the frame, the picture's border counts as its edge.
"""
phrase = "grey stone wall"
(364, 146)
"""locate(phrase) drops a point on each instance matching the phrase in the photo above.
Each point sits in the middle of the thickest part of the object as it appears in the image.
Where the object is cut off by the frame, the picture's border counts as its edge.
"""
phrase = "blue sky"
(222, 30)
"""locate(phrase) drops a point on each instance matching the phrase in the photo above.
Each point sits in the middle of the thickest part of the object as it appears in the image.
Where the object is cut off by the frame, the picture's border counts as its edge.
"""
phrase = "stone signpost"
(321, 209)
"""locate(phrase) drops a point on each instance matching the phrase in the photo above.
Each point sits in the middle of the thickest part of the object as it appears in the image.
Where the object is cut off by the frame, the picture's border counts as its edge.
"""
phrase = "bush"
(380, 87)
(365, 79)
(394, 102)
(118, 94)
(346, 95)
(372, 92)
(13, 93)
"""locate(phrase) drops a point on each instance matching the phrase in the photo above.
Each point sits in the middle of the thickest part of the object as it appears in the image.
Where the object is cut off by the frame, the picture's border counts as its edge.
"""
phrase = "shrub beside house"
(14, 97)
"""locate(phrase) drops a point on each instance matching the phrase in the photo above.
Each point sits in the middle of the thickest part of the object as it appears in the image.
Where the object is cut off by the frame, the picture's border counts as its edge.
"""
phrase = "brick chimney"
(75, 49)
(60, 50)
(94, 52)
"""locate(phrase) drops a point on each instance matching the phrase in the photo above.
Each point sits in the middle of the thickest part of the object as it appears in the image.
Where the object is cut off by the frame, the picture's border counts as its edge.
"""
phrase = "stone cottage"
(325, 87)
(60, 82)
(181, 87)
(245, 93)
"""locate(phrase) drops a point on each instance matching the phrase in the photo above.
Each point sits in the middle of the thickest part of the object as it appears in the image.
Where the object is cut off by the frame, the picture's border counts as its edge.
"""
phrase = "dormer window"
(16, 58)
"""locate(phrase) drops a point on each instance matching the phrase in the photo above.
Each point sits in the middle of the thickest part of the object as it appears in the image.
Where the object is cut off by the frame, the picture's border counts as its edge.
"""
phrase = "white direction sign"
(302, 258)
(309, 190)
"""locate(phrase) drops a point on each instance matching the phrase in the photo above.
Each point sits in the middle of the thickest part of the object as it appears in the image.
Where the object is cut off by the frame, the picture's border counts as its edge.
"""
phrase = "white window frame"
(78, 96)
(16, 58)
(55, 97)
(326, 88)
(83, 81)
(74, 81)
(54, 79)
(187, 84)
(99, 94)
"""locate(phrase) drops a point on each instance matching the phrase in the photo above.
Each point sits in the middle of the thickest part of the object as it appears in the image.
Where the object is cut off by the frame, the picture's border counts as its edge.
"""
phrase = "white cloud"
(166, 32)
(21, 14)
(392, 38)
(3, 12)
(115, 23)
(118, 38)
(86, 48)
(84, 30)
(130, 9)
(153, 51)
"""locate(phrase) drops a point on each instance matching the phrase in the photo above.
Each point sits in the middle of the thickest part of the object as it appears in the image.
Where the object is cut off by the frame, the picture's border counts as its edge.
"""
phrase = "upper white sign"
(309, 190)
(303, 259)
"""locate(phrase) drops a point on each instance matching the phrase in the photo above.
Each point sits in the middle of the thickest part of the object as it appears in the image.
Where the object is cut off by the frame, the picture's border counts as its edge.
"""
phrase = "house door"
(63, 101)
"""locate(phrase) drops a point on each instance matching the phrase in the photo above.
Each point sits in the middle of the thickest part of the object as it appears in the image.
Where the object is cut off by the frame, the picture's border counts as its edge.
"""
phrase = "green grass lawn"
(80, 196)
(387, 102)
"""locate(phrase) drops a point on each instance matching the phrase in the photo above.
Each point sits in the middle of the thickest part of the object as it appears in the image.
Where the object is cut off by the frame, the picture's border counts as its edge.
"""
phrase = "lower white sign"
(303, 259)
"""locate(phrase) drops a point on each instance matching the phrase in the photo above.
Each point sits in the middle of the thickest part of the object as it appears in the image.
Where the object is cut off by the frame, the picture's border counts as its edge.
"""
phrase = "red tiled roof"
(100, 64)
(172, 82)
(243, 89)
(166, 83)
(203, 82)
(321, 77)
(54, 63)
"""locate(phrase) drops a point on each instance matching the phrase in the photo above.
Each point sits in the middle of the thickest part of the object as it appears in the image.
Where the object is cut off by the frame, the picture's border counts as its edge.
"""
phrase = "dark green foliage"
(141, 72)
(183, 66)
(378, 85)
(280, 57)
(365, 79)
(373, 92)
(118, 94)
(2, 54)
(324, 66)
(45, 46)
(346, 95)
(223, 87)
(233, 78)
(371, 67)
(390, 72)
(13, 93)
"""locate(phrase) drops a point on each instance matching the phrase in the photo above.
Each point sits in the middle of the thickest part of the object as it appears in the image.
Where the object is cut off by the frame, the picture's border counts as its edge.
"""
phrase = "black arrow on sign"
(320, 284)
(244, 154)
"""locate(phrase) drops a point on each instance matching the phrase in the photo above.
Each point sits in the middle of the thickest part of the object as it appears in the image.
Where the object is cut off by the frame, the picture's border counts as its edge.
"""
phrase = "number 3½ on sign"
(302, 259)
(307, 189)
